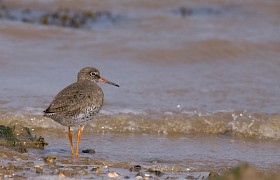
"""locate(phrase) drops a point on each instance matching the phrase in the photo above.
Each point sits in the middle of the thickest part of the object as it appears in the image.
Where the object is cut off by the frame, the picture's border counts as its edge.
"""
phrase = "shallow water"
(186, 70)
(178, 154)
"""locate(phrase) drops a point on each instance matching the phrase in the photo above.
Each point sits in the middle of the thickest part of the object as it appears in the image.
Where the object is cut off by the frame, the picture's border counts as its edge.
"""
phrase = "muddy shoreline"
(22, 165)
(33, 162)
(18, 165)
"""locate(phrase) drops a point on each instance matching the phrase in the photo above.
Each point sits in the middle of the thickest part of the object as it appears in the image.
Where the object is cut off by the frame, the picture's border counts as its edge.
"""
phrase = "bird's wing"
(70, 99)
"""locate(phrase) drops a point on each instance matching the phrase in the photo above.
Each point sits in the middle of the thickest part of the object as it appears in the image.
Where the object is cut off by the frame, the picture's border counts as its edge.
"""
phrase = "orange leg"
(70, 140)
(78, 139)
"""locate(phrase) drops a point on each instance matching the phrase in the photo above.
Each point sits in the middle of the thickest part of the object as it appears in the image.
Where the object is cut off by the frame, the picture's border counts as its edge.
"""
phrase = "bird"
(78, 103)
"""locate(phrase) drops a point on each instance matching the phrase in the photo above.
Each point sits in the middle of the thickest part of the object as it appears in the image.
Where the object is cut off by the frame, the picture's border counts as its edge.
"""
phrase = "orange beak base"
(101, 79)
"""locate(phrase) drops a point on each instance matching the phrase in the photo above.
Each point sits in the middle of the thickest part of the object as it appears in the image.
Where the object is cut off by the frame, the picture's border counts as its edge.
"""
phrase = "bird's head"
(92, 74)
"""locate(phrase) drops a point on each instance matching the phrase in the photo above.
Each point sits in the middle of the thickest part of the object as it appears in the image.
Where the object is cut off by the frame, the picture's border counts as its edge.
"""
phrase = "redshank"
(78, 103)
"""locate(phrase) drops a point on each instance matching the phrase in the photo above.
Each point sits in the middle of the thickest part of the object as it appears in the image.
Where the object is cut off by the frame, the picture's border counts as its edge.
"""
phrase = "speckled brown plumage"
(79, 102)
(76, 104)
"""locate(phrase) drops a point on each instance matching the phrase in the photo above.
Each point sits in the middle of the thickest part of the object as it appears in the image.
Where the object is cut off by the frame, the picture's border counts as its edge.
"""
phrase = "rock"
(113, 175)
(39, 169)
(84, 172)
(140, 175)
(61, 174)
(88, 13)
(44, 20)
(190, 177)
(20, 136)
(213, 175)
(40, 142)
(135, 168)
(68, 172)
(97, 169)
(89, 151)
(22, 149)
(50, 159)
(156, 172)
(185, 11)
(29, 164)
(171, 178)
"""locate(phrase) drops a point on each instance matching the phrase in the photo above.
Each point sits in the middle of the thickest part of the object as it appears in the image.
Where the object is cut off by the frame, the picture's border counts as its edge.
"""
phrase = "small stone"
(89, 151)
(171, 178)
(213, 174)
(113, 175)
(136, 168)
(28, 164)
(88, 13)
(44, 20)
(61, 174)
(40, 143)
(185, 11)
(156, 172)
(97, 169)
(142, 177)
(50, 159)
(39, 169)
(22, 149)
(190, 177)
(67, 172)
(139, 175)
(84, 173)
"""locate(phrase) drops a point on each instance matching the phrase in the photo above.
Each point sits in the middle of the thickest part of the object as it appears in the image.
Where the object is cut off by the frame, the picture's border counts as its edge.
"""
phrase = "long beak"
(101, 79)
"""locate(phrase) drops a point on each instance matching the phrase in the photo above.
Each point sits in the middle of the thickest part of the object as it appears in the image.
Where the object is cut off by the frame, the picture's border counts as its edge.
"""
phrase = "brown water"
(187, 70)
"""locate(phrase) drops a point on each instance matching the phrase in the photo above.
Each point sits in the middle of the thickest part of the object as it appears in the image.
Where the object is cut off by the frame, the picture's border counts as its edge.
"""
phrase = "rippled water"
(186, 69)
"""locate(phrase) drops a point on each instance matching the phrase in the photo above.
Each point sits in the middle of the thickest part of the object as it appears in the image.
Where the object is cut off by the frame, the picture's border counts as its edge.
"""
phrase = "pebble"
(113, 175)
(136, 168)
(171, 178)
(140, 175)
(190, 177)
(84, 173)
(22, 149)
(89, 151)
(29, 164)
(61, 174)
(213, 174)
(67, 172)
(39, 169)
(97, 169)
(50, 159)
(156, 172)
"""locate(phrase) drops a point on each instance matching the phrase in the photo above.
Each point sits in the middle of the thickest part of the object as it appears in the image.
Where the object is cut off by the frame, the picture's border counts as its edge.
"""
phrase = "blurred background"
(185, 68)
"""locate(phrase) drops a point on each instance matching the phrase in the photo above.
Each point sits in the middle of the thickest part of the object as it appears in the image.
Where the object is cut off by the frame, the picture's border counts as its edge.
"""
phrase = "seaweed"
(18, 136)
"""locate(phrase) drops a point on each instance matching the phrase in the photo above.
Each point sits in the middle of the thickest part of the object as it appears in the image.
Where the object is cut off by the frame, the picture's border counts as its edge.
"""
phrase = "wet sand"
(130, 156)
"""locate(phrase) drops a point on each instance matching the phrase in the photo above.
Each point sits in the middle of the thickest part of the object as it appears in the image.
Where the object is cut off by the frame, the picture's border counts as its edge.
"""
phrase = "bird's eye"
(93, 74)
